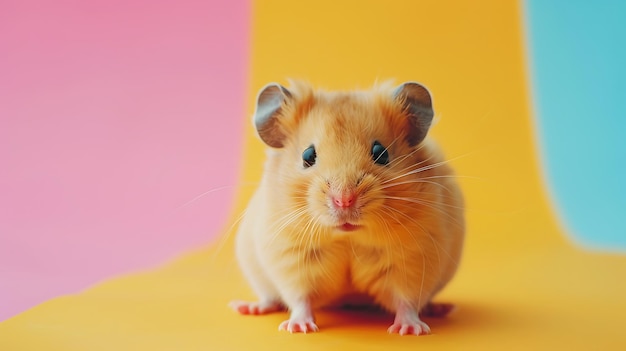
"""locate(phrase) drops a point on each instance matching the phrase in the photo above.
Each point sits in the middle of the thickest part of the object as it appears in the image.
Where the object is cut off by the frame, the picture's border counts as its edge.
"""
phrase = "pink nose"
(344, 200)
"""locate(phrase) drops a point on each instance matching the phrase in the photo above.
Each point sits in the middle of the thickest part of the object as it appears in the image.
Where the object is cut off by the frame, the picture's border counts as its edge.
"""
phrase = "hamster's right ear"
(269, 104)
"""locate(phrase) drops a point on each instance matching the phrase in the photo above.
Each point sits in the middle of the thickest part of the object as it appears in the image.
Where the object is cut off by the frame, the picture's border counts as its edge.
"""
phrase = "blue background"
(577, 53)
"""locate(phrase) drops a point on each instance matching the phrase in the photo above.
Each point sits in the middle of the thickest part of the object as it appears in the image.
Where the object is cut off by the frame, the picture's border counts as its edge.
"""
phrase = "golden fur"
(409, 212)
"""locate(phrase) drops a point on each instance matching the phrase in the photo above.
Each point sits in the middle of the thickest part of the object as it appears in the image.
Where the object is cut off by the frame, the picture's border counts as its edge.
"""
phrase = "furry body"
(348, 225)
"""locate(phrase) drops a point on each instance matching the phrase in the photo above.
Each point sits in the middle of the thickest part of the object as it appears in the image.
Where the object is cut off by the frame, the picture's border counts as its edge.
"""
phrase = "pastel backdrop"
(120, 114)
(114, 117)
(576, 55)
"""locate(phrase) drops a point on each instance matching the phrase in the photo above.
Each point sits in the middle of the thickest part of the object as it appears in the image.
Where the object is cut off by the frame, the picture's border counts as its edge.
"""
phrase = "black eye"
(309, 156)
(380, 154)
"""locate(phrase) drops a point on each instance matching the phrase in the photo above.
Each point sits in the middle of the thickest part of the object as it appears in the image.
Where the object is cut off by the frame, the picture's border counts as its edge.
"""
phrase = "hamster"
(354, 200)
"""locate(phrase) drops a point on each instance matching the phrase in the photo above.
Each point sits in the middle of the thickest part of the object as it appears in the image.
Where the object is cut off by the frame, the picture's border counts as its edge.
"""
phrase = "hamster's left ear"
(266, 115)
(416, 101)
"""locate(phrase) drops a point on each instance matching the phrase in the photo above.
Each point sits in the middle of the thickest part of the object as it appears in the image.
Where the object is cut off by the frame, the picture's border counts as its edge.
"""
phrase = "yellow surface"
(522, 285)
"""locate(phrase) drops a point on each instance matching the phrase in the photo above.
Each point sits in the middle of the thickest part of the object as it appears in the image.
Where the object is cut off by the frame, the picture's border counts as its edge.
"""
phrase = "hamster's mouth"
(348, 227)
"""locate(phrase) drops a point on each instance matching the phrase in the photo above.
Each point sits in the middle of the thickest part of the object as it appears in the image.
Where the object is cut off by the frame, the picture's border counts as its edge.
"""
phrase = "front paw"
(299, 325)
(408, 322)
(301, 319)
(409, 328)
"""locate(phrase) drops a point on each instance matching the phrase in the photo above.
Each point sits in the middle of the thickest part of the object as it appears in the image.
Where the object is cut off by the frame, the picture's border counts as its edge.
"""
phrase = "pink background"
(113, 114)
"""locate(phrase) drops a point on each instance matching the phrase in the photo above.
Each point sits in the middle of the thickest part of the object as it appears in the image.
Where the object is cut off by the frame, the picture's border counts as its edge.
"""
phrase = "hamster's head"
(341, 159)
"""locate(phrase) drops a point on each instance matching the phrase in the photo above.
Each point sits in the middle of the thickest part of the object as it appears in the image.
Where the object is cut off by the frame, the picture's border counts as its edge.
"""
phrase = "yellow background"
(521, 285)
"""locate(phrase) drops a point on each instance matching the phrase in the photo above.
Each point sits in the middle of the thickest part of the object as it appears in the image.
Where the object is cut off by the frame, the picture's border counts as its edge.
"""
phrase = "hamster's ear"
(268, 108)
(416, 101)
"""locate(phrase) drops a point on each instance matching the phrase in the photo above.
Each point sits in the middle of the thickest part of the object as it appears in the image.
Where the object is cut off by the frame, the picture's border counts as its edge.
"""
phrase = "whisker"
(425, 168)
(453, 176)
(423, 202)
(404, 268)
(414, 181)
(224, 238)
(430, 204)
(388, 249)
(401, 159)
(285, 221)
(220, 188)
